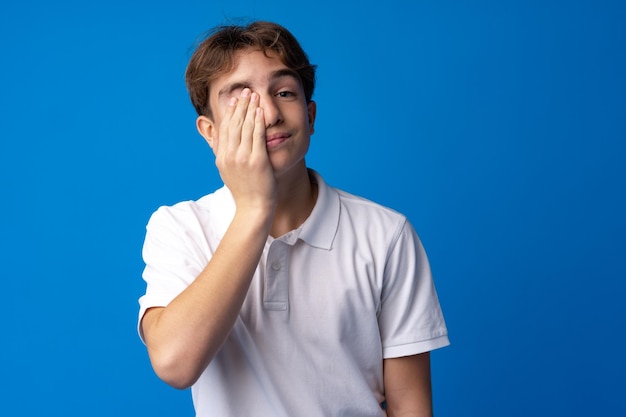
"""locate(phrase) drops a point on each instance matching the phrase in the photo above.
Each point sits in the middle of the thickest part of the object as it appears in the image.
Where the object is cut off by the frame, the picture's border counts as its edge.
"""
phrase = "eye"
(285, 94)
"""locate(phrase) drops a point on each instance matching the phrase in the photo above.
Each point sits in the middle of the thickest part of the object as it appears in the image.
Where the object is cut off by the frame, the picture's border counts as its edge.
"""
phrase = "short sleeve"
(411, 320)
(174, 256)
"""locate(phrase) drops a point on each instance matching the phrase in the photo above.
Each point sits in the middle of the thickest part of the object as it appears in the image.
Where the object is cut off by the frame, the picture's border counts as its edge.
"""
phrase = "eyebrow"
(238, 85)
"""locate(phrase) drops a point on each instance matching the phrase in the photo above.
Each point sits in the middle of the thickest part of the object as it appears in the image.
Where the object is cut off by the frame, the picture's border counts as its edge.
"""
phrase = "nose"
(271, 110)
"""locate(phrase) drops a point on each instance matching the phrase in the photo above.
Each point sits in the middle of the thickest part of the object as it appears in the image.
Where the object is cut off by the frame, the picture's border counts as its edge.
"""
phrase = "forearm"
(183, 337)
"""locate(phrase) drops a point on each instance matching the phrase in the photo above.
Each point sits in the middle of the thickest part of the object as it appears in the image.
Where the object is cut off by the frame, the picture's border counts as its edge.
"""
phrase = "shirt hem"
(409, 349)
(146, 302)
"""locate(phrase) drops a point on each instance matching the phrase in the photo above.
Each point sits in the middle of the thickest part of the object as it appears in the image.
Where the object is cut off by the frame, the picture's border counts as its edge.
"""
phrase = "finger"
(258, 137)
(236, 122)
(223, 130)
(249, 122)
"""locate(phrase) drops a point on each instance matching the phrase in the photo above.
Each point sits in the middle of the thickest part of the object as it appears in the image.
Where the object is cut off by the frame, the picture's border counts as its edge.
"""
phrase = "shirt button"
(276, 266)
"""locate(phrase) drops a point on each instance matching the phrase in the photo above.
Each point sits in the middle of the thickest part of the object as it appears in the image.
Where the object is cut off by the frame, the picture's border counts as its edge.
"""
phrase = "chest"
(315, 293)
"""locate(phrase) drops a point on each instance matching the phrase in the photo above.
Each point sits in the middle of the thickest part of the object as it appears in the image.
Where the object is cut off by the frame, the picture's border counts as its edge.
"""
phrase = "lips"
(276, 139)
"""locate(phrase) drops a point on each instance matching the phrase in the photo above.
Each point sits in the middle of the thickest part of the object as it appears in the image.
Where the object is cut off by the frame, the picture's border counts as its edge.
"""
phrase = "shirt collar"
(320, 228)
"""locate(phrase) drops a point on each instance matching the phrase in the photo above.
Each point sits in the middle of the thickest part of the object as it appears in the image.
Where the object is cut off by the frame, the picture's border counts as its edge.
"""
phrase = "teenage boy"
(278, 295)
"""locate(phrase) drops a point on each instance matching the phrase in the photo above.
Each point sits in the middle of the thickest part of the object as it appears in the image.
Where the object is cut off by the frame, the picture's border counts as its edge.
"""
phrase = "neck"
(296, 199)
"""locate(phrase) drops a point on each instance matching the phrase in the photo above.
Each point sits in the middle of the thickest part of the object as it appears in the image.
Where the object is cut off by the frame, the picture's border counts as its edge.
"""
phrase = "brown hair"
(215, 56)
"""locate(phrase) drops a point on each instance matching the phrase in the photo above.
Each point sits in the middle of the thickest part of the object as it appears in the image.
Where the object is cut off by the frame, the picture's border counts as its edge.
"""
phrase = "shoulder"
(373, 225)
(378, 218)
(342, 218)
(211, 210)
(352, 204)
(361, 204)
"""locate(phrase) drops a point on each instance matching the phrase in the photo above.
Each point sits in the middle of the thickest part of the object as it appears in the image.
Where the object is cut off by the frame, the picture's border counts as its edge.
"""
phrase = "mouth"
(276, 139)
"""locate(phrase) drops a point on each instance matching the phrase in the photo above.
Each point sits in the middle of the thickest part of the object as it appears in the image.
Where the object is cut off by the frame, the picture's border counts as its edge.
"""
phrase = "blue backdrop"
(497, 127)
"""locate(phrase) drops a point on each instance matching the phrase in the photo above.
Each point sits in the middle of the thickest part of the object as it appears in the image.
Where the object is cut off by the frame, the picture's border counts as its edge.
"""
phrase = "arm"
(183, 337)
(407, 386)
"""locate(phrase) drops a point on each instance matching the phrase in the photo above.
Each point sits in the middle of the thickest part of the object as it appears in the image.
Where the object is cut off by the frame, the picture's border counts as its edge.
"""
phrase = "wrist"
(255, 216)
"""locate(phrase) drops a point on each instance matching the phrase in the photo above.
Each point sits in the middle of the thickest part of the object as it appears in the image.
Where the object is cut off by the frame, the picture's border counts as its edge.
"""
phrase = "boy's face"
(288, 117)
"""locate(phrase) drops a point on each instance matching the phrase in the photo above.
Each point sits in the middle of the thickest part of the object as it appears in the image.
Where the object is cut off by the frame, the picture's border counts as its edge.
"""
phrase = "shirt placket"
(276, 291)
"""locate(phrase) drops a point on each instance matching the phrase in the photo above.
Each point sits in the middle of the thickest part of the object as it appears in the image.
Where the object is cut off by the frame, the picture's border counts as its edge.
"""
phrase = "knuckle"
(248, 124)
(241, 158)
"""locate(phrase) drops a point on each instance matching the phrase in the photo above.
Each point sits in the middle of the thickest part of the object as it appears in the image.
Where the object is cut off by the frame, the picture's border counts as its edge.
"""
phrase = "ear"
(207, 130)
(311, 111)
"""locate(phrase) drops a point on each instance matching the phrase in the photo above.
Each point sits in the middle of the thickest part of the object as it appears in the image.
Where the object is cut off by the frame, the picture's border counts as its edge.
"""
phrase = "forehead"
(252, 66)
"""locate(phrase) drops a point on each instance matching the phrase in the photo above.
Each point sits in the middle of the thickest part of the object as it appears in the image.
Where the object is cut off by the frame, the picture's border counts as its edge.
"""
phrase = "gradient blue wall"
(498, 127)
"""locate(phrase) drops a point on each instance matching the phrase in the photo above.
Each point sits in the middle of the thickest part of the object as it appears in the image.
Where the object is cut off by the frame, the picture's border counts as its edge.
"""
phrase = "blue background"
(497, 127)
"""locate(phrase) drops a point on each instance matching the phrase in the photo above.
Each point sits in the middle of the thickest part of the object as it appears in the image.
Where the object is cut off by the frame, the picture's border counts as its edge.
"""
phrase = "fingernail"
(245, 92)
(232, 101)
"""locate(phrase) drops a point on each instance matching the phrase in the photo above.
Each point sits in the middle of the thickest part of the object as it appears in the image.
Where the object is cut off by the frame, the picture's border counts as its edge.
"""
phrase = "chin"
(282, 166)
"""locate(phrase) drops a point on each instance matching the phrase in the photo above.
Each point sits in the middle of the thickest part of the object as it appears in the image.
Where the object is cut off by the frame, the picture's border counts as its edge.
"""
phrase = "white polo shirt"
(327, 303)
